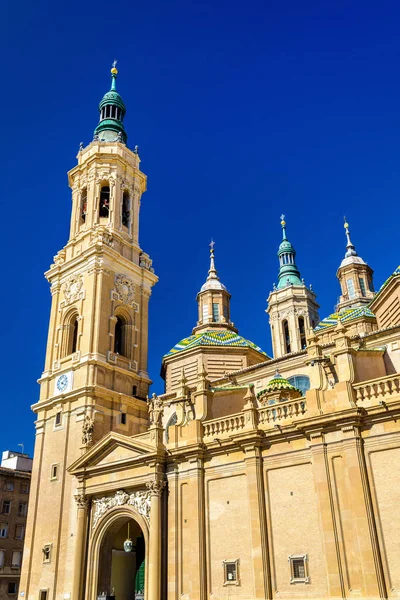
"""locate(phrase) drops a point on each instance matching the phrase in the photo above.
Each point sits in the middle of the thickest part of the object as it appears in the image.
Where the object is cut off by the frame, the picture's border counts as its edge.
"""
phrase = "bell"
(128, 544)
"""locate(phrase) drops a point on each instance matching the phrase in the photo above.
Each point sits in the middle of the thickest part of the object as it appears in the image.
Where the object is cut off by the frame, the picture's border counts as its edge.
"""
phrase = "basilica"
(253, 476)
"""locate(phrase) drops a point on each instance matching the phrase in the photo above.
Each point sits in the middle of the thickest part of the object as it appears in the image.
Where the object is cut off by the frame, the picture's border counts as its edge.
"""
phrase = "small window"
(298, 568)
(57, 420)
(74, 336)
(3, 530)
(301, 382)
(350, 289)
(12, 588)
(19, 532)
(46, 553)
(362, 287)
(205, 313)
(302, 331)
(24, 488)
(134, 390)
(226, 312)
(104, 208)
(16, 558)
(54, 472)
(123, 418)
(119, 337)
(83, 204)
(43, 594)
(125, 209)
(215, 309)
(286, 337)
(22, 509)
(9, 486)
(6, 508)
(231, 572)
(2, 558)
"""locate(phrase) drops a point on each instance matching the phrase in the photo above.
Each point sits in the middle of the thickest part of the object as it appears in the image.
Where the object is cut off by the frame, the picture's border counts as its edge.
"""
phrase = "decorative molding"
(139, 500)
(101, 236)
(73, 290)
(156, 487)
(82, 500)
(124, 289)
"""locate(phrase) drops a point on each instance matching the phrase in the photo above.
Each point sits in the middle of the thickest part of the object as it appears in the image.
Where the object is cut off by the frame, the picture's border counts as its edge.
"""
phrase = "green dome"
(277, 384)
(112, 111)
(213, 338)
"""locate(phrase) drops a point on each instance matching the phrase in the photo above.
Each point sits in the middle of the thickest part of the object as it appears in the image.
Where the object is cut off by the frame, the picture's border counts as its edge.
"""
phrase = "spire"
(288, 271)
(212, 281)
(112, 111)
(351, 249)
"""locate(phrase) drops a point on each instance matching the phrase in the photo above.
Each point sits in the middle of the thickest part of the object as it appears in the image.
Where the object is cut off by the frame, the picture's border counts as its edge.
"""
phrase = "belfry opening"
(122, 561)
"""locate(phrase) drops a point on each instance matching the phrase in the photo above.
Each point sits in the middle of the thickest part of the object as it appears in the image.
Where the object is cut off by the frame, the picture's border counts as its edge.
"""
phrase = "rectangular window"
(54, 472)
(16, 558)
(350, 289)
(57, 420)
(298, 568)
(134, 390)
(46, 553)
(3, 530)
(215, 308)
(24, 488)
(231, 572)
(205, 313)
(22, 509)
(19, 532)
(6, 508)
(43, 594)
(12, 588)
(9, 486)
(226, 312)
(123, 418)
(362, 286)
(2, 558)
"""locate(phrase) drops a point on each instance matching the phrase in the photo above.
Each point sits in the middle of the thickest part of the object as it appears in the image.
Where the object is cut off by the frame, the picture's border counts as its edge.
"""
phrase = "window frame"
(44, 591)
(22, 526)
(47, 548)
(4, 528)
(9, 504)
(21, 487)
(8, 588)
(54, 476)
(9, 485)
(13, 565)
(297, 557)
(225, 564)
(24, 512)
(3, 553)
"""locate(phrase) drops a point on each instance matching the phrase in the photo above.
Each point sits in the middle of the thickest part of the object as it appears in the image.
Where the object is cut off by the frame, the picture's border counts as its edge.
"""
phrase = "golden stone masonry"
(251, 477)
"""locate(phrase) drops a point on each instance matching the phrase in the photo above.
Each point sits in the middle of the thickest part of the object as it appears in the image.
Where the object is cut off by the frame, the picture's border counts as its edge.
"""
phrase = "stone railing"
(264, 416)
(228, 424)
(384, 388)
(283, 410)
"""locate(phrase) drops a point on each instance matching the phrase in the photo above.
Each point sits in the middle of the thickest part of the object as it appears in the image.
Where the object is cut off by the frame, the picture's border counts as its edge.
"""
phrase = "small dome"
(212, 284)
(285, 247)
(349, 260)
(277, 383)
(114, 98)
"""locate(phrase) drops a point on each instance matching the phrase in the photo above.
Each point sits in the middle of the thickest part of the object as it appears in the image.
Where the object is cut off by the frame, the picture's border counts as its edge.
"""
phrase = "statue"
(87, 431)
(156, 409)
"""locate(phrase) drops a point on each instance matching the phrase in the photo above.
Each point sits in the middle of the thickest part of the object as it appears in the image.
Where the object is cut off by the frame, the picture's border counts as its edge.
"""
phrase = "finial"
(136, 149)
(212, 271)
(81, 147)
(283, 223)
(114, 73)
(351, 249)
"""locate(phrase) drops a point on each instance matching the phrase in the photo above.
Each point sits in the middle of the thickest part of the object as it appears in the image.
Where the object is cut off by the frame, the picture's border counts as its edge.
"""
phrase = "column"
(154, 567)
(80, 539)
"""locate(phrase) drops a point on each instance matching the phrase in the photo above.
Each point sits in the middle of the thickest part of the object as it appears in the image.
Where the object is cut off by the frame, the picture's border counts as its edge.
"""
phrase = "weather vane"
(212, 244)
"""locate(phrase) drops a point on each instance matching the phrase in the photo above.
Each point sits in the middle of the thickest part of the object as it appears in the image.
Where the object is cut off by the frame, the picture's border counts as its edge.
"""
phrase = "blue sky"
(241, 111)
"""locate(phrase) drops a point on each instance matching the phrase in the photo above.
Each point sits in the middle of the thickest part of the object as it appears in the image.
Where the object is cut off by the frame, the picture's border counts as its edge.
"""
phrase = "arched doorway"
(122, 573)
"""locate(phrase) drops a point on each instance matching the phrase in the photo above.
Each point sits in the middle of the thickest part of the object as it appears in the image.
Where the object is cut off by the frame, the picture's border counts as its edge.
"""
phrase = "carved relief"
(155, 487)
(139, 500)
(124, 288)
(82, 500)
(73, 289)
(87, 431)
(101, 236)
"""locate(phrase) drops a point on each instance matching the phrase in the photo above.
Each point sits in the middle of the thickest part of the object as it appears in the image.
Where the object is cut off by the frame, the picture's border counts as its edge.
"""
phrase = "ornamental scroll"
(139, 500)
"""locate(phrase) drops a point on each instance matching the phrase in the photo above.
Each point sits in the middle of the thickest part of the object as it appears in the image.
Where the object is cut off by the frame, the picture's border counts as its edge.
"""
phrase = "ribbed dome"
(214, 338)
(212, 284)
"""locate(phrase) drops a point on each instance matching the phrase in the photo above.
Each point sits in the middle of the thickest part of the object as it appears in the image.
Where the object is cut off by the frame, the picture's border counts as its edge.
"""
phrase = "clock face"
(62, 383)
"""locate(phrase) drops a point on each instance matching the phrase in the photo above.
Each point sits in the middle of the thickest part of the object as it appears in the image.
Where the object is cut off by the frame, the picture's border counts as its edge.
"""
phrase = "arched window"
(74, 335)
(171, 421)
(286, 336)
(125, 208)
(302, 330)
(119, 337)
(104, 201)
(83, 205)
(301, 382)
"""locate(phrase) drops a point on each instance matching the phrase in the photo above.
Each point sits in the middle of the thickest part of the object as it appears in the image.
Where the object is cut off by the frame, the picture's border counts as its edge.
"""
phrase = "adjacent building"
(251, 477)
(15, 479)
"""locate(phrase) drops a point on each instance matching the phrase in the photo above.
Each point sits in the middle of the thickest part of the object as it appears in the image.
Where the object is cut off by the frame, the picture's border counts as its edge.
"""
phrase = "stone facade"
(251, 477)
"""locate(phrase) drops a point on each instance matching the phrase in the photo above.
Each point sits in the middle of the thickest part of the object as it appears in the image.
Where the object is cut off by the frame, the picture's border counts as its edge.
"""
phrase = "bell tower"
(292, 306)
(95, 378)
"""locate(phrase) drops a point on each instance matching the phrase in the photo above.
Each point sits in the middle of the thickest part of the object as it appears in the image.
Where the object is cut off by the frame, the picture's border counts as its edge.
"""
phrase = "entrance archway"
(120, 573)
